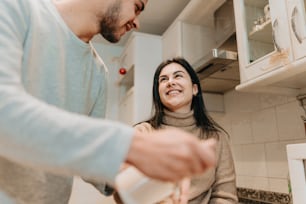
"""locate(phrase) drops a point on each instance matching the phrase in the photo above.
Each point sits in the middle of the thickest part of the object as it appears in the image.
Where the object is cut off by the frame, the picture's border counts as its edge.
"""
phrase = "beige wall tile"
(242, 129)
(278, 185)
(264, 126)
(277, 163)
(254, 161)
(289, 121)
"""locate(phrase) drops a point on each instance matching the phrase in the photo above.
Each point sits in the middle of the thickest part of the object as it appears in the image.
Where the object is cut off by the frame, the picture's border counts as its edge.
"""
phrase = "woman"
(178, 102)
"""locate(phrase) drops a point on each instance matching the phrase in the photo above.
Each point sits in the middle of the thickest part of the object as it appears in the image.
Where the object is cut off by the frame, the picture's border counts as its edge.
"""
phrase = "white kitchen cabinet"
(271, 45)
(297, 20)
(192, 35)
(263, 37)
(187, 40)
(141, 56)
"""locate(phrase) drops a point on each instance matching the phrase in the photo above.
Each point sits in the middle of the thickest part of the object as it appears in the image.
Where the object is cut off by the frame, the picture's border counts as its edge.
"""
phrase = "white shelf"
(262, 33)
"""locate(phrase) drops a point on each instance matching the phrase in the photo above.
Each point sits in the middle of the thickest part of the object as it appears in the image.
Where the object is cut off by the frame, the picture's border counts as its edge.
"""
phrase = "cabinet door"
(127, 57)
(126, 108)
(172, 41)
(297, 21)
(262, 36)
(197, 41)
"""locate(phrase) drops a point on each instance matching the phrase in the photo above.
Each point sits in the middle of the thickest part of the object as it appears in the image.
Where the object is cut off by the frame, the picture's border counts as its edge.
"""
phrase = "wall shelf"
(262, 32)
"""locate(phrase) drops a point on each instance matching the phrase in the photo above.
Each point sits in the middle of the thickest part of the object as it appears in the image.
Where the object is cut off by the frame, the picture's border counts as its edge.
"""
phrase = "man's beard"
(109, 23)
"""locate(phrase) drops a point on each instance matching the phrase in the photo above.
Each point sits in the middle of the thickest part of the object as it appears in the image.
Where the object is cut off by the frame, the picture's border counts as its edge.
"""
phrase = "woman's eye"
(162, 79)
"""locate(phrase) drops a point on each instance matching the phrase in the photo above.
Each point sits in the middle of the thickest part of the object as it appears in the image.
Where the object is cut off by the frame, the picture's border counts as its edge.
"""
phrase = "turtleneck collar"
(181, 120)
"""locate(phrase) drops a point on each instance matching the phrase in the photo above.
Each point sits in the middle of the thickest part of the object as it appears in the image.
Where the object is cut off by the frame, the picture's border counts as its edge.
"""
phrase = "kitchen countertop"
(253, 196)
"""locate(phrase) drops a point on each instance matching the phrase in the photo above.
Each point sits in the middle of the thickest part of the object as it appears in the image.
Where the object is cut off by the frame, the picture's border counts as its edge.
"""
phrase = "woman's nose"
(171, 82)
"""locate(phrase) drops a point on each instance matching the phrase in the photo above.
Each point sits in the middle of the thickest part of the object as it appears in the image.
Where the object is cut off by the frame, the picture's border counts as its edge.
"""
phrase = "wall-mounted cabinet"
(187, 40)
(263, 36)
(194, 33)
(140, 57)
(271, 45)
(202, 27)
(296, 12)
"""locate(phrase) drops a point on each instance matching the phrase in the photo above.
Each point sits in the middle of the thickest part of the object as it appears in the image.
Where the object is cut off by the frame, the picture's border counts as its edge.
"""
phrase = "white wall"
(260, 126)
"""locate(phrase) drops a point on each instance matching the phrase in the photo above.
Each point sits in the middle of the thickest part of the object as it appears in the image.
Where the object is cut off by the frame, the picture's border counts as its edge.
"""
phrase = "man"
(51, 80)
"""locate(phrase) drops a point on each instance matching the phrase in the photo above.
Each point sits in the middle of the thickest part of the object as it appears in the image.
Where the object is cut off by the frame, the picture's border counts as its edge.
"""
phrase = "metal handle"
(274, 25)
(293, 25)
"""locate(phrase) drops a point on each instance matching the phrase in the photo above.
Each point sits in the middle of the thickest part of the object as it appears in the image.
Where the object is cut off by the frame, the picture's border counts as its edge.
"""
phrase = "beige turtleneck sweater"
(216, 185)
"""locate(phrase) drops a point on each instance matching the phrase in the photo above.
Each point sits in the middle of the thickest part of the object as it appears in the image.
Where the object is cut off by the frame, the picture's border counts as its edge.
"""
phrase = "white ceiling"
(156, 18)
(159, 14)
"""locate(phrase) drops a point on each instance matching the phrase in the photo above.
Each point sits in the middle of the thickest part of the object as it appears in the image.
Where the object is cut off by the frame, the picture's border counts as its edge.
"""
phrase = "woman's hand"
(181, 194)
(181, 197)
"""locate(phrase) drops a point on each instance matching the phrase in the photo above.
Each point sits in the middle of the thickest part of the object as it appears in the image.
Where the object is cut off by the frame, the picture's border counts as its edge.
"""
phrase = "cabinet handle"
(293, 25)
(274, 26)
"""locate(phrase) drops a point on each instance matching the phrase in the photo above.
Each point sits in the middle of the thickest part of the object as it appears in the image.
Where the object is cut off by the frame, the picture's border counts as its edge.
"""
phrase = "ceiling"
(156, 18)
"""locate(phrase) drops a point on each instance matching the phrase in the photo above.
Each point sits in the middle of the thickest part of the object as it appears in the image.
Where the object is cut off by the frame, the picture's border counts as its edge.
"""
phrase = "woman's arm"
(224, 188)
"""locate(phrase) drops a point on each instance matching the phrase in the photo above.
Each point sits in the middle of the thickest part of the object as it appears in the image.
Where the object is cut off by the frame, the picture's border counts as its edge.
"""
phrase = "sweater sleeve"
(39, 135)
(224, 187)
(144, 127)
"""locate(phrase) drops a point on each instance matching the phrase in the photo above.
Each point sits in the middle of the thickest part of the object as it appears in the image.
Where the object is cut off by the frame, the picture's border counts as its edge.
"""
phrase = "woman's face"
(175, 88)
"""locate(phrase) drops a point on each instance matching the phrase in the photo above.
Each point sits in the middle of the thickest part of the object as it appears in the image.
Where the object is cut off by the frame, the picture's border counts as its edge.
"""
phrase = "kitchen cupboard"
(140, 57)
(271, 45)
(192, 35)
(204, 31)
(296, 12)
(187, 40)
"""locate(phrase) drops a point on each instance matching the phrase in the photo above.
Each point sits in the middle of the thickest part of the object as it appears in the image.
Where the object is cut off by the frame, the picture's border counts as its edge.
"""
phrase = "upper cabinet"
(204, 34)
(140, 57)
(187, 40)
(296, 12)
(271, 41)
(193, 33)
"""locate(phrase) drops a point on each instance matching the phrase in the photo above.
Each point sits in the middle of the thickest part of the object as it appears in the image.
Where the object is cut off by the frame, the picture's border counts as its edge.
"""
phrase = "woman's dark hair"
(201, 116)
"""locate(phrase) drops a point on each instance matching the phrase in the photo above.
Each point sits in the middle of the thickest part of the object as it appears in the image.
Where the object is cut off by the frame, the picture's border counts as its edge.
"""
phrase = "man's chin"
(111, 38)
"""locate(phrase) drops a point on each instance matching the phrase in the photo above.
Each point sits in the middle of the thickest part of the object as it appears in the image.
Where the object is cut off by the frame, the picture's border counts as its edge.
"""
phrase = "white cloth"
(50, 79)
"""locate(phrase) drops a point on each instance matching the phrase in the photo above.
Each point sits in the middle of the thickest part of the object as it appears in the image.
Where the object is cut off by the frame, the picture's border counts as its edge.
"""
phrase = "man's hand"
(171, 154)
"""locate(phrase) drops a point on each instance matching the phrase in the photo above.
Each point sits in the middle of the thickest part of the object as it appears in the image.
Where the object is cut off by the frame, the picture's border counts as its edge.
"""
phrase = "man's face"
(121, 17)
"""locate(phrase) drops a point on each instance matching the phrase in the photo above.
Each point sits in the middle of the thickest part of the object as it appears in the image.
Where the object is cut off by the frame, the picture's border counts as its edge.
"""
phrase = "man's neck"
(76, 15)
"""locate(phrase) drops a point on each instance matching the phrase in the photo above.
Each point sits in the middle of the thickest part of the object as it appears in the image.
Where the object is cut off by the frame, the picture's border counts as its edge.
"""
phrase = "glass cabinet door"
(259, 29)
(296, 11)
(263, 36)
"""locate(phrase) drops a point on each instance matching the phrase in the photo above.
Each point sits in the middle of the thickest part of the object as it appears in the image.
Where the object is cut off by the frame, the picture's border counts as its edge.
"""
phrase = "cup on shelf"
(135, 188)
(261, 20)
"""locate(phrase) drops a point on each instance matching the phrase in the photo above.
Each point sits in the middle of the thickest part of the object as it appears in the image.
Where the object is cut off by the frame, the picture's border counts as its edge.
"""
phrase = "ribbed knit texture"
(216, 185)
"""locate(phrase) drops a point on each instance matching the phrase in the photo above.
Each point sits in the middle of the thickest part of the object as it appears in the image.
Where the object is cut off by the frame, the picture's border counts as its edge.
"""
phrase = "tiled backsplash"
(260, 127)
